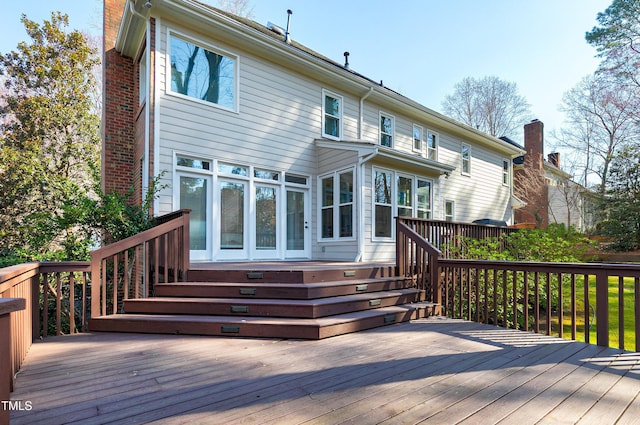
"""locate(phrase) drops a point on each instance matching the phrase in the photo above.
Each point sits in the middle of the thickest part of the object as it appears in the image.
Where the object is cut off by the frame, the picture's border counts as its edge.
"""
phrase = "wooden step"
(289, 273)
(301, 291)
(261, 326)
(309, 309)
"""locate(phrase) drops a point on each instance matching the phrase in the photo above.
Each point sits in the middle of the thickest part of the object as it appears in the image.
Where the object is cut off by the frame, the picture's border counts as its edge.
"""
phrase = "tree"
(601, 113)
(237, 7)
(617, 39)
(489, 104)
(622, 203)
(49, 139)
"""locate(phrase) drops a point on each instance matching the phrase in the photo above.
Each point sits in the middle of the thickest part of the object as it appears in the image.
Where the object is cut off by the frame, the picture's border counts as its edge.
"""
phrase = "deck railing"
(130, 268)
(446, 235)
(60, 297)
(55, 302)
(595, 303)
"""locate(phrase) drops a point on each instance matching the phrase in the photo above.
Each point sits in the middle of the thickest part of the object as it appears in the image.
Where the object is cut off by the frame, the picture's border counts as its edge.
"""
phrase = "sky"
(419, 48)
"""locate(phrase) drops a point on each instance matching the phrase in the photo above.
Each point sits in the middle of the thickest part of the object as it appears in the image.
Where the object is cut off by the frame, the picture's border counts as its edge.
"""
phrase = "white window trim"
(211, 48)
(413, 139)
(431, 191)
(143, 77)
(453, 209)
(393, 128)
(326, 93)
(394, 204)
(506, 173)
(462, 160)
(336, 205)
(394, 198)
(437, 143)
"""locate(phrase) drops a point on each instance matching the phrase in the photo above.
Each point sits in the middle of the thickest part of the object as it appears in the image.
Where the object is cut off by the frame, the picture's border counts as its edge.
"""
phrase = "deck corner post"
(602, 308)
(186, 248)
(8, 362)
(95, 286)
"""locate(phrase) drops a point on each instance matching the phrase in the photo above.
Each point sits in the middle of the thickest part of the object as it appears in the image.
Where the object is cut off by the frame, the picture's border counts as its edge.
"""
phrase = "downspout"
(361, 118)
(360, 172)
(361, 161)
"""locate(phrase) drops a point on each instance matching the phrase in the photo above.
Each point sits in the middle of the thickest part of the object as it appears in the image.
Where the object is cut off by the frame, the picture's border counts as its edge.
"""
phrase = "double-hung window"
(337, 205)
(386, 130)
(449, 210)
(432, 145)
(398, 194)
(203, 73)
(383, 203)
(466, 159)
(417, 138)
(331, 115)
(506, 167)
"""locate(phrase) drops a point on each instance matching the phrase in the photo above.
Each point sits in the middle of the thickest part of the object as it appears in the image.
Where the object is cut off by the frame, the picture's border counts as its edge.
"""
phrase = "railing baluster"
(525, 310)
(504, 299)
(574, 316)
(495, 297)
(560, 308)
(58, 302)
(103, 287)
(45, 306)
(636, 308)
(125, 277)
(536, 307)
(115, 284)
(72, 299)
(621, 312)
(587, 310)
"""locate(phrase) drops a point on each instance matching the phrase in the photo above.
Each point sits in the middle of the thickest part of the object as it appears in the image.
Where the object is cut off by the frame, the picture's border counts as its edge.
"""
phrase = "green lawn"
(628, 313)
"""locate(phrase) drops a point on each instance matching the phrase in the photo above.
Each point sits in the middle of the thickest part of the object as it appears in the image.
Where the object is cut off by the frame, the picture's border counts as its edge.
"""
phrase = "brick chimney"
(118, 97)
(529, 182)
(554, 159)
(534, 143)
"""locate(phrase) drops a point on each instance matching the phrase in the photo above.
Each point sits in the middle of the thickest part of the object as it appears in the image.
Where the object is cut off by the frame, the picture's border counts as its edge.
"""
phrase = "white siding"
(280, 116)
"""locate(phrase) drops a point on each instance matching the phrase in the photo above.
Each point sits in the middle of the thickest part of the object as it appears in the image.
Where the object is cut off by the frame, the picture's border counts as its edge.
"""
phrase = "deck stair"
(278, 300)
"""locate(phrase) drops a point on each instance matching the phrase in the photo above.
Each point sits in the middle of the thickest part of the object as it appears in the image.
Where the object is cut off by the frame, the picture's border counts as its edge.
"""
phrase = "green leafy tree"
(49, 140)
(621, 206)
(617, 38)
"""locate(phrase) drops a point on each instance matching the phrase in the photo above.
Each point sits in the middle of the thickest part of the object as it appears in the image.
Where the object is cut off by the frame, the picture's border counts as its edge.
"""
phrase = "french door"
(297, 224)
(241, 219)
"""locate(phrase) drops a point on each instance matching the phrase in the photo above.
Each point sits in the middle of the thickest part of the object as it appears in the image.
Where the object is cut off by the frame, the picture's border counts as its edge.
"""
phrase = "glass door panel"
(297, 224)
(405, 196)
(266, 219)
(194, 194)
(233, 219)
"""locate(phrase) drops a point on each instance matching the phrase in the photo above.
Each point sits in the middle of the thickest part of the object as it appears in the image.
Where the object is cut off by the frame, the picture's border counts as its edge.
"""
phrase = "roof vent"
(287, 37)
(281, 31)
(346, 60)
(273, 27)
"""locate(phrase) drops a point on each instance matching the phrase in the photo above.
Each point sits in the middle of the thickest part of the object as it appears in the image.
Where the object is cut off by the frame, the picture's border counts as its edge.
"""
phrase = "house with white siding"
(280, 153)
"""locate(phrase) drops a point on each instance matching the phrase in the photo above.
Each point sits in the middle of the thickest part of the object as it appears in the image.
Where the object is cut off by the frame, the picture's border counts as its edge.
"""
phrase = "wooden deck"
(435, 370)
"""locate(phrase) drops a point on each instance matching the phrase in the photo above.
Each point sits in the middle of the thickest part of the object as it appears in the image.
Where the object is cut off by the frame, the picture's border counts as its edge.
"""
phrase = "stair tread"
(278, 301)
(321, 321)
(289, 285)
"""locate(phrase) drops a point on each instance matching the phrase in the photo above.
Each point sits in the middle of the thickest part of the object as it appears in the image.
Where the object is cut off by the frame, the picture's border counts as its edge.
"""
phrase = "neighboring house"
(549, 193)
(279, 152)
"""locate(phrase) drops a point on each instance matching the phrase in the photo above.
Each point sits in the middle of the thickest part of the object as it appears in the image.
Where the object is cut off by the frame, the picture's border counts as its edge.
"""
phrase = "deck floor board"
(426, 371)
